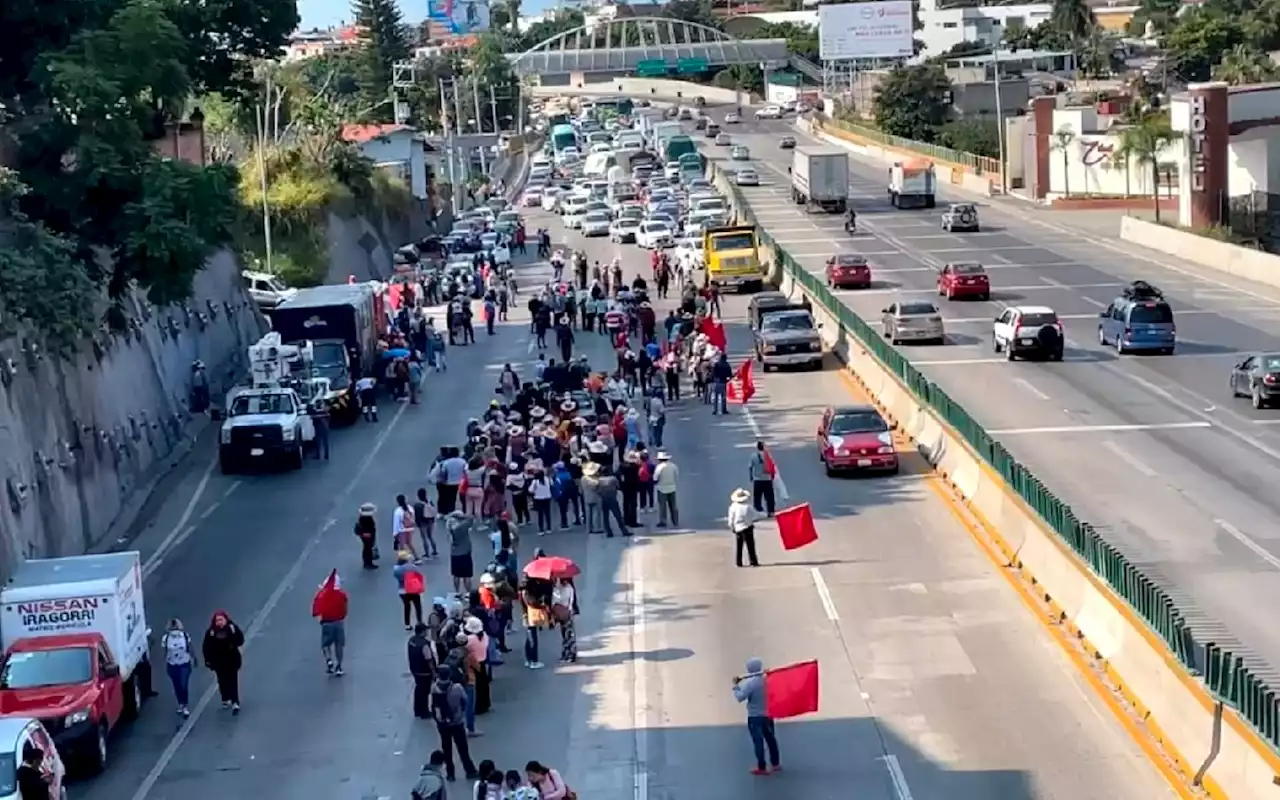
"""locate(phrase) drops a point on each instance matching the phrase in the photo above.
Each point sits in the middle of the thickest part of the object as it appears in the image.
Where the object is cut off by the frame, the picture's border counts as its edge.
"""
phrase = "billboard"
(882, 29)
(459, 17)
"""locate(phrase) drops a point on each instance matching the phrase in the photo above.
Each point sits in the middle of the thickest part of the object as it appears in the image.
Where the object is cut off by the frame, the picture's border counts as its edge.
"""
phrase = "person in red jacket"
(330, 608)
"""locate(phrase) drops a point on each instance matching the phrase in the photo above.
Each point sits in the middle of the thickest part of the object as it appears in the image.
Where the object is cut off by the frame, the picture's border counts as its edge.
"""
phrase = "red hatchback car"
(964, 280)
(856, 439)
(848, 271)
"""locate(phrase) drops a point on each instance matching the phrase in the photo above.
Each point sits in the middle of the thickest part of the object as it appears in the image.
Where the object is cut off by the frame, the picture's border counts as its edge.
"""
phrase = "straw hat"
(632, 457)
(537, 413)
(403, 556)
(590, 469)
(368, 509)
(740, 495)
(663, 455)
(568, 406)
(515, 430)
(599, 448)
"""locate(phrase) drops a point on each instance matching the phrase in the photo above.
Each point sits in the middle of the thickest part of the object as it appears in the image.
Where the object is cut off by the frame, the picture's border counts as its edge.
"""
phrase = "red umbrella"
(549, 568)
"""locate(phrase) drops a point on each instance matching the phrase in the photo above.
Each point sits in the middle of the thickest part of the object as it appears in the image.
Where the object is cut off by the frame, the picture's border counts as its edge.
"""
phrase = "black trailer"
(341, 322)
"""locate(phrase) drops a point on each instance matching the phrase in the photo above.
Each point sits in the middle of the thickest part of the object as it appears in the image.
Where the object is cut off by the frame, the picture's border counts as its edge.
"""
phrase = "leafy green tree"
(1073, 18)
(1244, 65)
(1143, 143)
(912, 102)
(91, 85)
(384, 40)
(563, 21)
(1200, 40)
(978, 136)
(801, 39)
(1162, 14)
(698, 11)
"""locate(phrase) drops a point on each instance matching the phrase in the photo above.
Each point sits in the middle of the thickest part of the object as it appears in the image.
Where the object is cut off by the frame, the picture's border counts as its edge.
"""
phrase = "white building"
(397, 148)
(945, 28)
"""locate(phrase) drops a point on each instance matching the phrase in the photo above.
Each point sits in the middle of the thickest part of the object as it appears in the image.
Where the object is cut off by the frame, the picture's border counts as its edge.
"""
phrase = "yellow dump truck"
(732, 258)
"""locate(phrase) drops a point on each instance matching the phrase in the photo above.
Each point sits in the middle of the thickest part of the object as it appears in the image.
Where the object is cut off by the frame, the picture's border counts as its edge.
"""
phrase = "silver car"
(912, 321)
(747, 177)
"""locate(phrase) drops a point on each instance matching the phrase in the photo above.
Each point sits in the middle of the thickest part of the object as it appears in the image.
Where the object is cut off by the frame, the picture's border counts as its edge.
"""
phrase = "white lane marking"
(897, 777)
(1027, 387)
(179, 531)
(260, 619)
(948, 362)
(1165, 426)
(1266, 422)
(640, 688)
(824, 594)
(1244, 539)
(1129, 458)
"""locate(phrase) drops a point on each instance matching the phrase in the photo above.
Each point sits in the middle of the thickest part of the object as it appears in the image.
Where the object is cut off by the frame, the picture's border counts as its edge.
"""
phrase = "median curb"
(1202, 742)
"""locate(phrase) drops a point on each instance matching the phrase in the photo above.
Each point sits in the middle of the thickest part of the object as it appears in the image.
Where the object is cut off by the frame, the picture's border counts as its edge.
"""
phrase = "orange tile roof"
(359, 134)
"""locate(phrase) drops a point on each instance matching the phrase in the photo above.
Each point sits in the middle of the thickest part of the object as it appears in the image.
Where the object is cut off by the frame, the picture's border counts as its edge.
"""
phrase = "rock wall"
(79, 436)
(365, 247)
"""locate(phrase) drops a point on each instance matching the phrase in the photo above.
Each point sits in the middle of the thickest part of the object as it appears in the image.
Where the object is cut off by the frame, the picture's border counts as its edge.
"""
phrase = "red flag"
(743, 387)
(770, 468)
(714, 331)
(795, 526)
(792, 690)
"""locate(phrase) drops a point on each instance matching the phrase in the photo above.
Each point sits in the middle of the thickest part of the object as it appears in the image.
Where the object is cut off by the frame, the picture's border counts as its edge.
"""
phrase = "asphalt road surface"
(936, 680)
(1152, 450)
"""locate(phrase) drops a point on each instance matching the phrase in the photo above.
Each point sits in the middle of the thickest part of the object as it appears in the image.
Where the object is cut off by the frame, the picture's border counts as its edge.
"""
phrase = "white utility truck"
(820, 176)
(74, 632)
(267, 420)
(912, 184)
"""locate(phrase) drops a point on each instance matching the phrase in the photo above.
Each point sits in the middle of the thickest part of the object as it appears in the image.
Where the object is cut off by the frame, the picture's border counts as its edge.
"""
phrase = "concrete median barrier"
(1215, 750)
(1230, 259)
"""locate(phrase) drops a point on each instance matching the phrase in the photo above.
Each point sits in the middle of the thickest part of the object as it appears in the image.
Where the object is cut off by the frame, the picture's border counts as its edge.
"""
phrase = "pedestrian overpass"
(651, 47)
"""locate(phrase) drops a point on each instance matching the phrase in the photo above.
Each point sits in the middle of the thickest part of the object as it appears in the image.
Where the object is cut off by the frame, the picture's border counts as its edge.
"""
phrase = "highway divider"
(1216, 721)
(1232, 259)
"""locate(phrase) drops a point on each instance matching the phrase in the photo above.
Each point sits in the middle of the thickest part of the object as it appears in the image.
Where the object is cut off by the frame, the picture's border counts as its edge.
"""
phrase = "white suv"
(769, 112)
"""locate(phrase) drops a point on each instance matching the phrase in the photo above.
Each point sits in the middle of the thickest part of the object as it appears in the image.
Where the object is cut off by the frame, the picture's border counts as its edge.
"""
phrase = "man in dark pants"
(422, 666)
(448, 707)
(750, 689)
(320, 419)
(761, 481)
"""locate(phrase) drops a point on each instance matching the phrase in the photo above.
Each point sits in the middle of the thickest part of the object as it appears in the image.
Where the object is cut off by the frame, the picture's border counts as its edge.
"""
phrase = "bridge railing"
(860, 134)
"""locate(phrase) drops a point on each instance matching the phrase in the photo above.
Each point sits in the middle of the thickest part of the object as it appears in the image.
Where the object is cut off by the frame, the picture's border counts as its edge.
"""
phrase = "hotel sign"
(1199, 141)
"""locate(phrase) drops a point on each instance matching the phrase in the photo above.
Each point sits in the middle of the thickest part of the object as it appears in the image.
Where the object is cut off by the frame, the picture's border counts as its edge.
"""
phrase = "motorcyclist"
(851, 222)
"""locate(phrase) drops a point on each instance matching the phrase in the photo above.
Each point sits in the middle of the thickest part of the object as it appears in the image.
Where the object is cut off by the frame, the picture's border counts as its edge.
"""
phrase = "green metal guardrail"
(1224, 673)
(979, 165)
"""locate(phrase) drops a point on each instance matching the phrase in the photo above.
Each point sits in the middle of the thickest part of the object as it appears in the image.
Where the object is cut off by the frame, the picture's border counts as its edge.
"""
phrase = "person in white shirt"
(179, 661)
(403, 527)
(665, 477)
(564, 603)
(540, 490)
(742, 523)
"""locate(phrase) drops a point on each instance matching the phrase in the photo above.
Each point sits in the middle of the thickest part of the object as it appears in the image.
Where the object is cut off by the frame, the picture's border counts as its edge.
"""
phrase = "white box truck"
(74, 632)
(820, 176)
(912, 184)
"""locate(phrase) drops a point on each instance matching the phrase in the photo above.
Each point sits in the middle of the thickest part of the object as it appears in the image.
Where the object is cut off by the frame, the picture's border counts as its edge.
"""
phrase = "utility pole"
(450, 146)
(475, 98)
(1000, 125)
(493, 109)
(262, 115)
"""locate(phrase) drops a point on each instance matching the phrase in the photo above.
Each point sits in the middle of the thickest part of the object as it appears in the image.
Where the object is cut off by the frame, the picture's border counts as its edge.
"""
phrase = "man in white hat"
(741, 519)
(665, 477)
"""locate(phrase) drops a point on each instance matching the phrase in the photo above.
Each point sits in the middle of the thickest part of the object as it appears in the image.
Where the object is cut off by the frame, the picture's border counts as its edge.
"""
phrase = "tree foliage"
(87, 87)
(913, 101)
(384, 40)
(978, 136)
(1217, 31)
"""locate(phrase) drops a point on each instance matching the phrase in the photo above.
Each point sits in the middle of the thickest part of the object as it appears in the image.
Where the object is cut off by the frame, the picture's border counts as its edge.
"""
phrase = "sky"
(327, 13)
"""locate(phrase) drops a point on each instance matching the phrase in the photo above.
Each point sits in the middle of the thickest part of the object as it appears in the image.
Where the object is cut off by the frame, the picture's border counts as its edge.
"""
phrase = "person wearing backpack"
(422, 666)
(449, 709)
(411, 584)
(179, 660)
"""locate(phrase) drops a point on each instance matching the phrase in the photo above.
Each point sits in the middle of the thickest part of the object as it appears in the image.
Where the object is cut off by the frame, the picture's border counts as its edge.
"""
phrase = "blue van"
(1139, 320)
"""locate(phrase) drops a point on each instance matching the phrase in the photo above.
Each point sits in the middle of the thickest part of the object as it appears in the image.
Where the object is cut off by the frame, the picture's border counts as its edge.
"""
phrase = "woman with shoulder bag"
(563, 607)
(548, 782)
(536, 598)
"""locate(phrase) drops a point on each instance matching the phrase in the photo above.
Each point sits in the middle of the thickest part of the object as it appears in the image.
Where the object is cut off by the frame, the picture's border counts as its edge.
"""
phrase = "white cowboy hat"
(664, 455)
(368, 509)
(598, 447)
(740, 495)
(513, 466)
(568, 406)
(537, 413)
(473, 625)
(515, 430)
(590, 469)
(632, 457)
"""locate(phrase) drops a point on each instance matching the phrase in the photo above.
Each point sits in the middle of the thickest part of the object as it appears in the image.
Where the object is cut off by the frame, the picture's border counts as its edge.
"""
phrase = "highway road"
(937, 681)
(1152, 450)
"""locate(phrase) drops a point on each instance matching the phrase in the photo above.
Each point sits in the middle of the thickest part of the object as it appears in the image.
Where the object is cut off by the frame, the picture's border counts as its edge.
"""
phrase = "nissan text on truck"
(820, 176)
(912, 184)
(74, 632)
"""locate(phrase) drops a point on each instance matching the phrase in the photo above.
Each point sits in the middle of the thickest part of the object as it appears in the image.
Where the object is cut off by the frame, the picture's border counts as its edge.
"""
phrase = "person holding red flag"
(763, 471)
(330, 607)
(750, 689)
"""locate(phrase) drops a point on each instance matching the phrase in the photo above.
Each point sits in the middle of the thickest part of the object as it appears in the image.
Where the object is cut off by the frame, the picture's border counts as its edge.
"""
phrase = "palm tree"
(1062, 141)
(1073, 18)
(513, 15)
(1245, 64)
(1143, 143)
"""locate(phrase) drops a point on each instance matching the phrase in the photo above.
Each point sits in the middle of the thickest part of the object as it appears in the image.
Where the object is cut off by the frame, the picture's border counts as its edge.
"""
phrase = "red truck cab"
(73, 685)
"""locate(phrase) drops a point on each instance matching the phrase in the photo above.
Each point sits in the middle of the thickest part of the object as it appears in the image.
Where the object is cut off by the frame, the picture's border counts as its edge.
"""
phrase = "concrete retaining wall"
(80, 436)
(1174, 705)
(957, 175)
(1232, 259)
